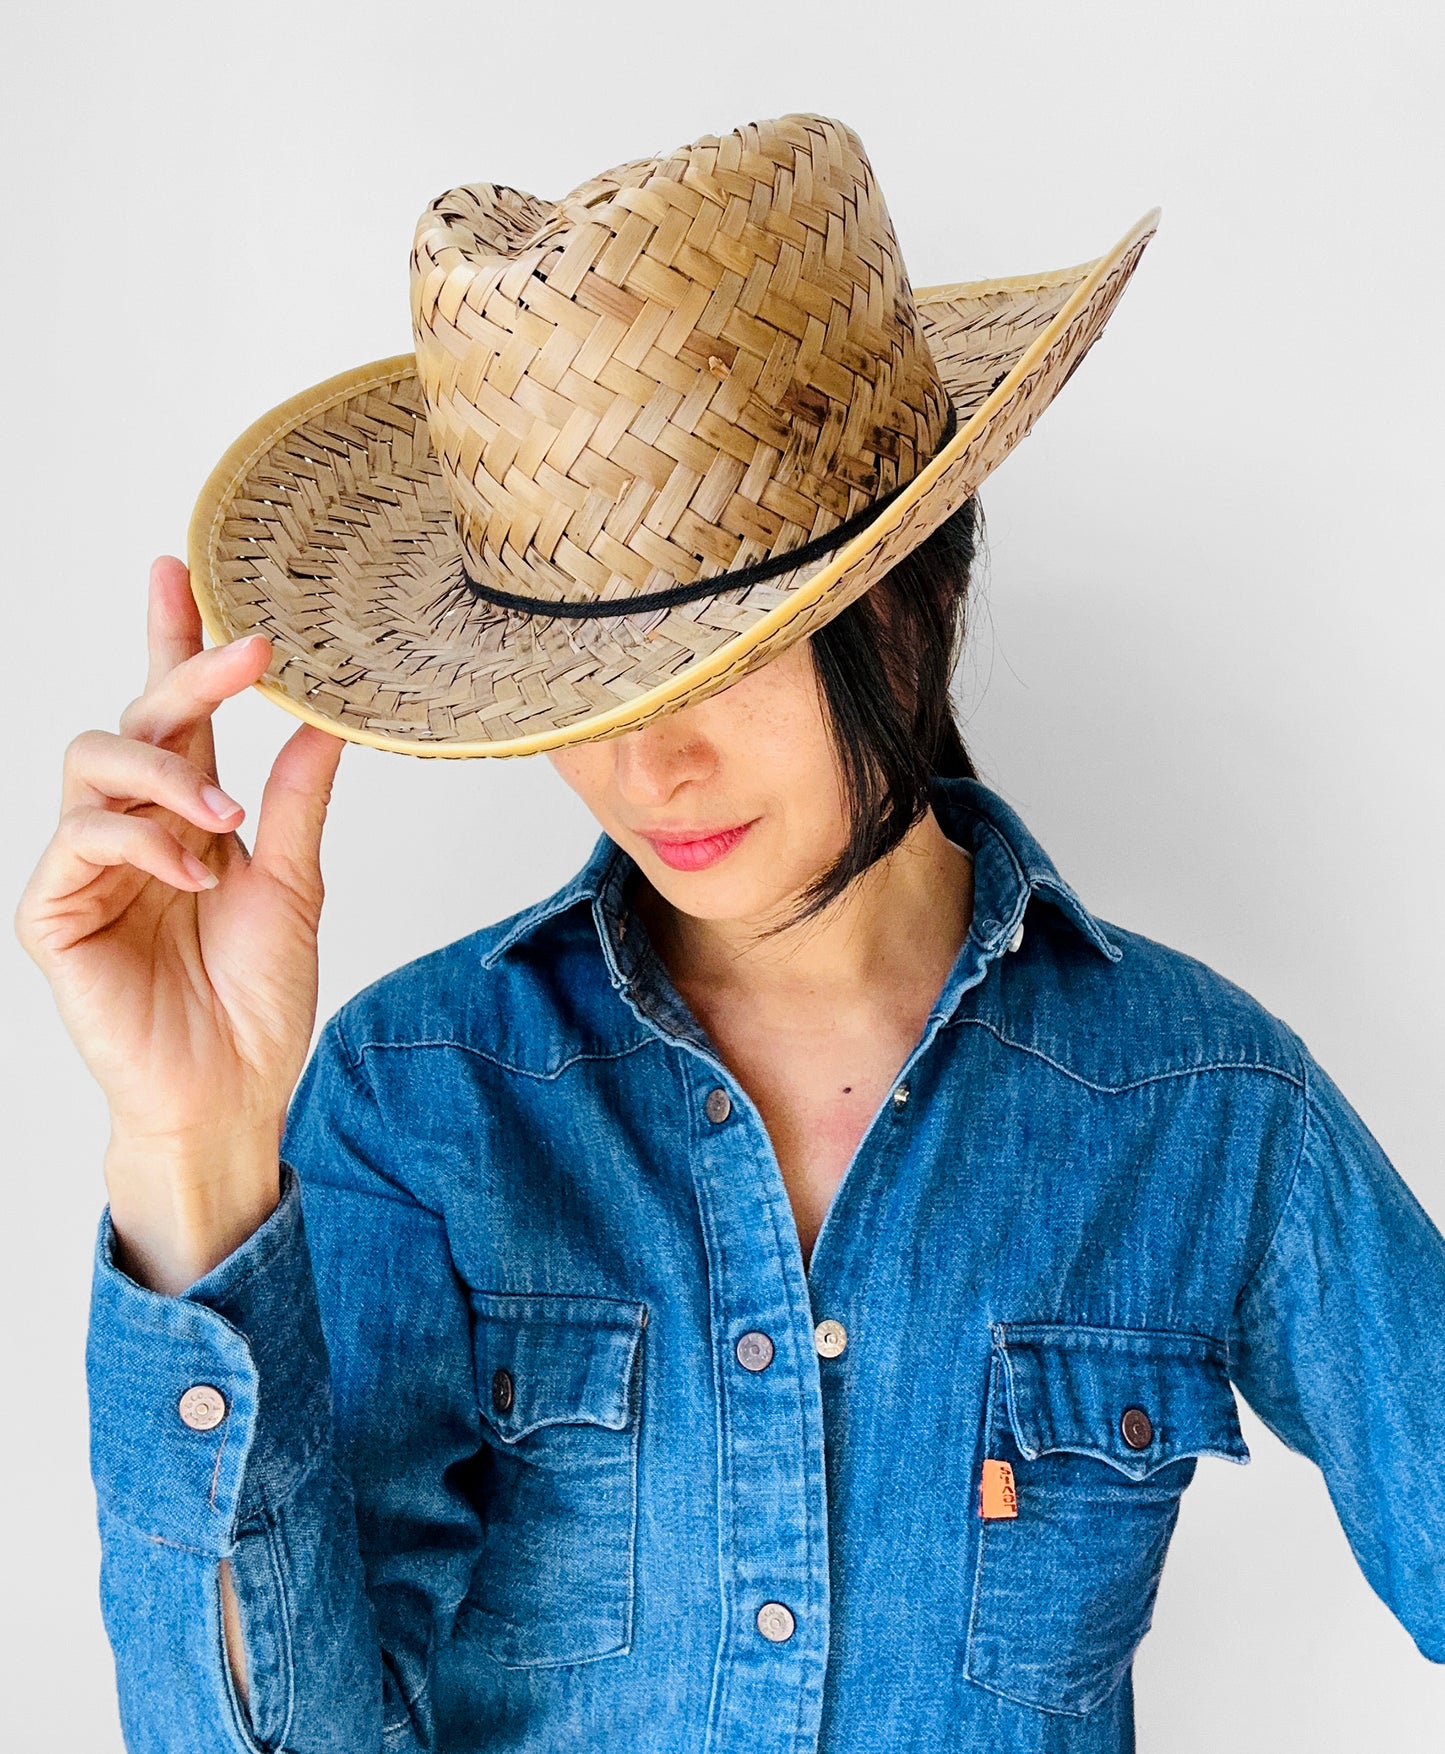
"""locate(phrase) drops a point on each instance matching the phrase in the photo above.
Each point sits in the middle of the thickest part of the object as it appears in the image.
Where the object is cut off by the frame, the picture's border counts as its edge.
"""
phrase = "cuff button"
(202, 1407)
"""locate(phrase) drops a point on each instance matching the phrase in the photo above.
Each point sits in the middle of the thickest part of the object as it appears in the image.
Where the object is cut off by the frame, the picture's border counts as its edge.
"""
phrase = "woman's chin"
(716, 894)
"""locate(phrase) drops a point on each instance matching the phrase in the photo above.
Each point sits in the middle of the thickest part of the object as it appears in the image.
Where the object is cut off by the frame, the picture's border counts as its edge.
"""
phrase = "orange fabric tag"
(997, 1496)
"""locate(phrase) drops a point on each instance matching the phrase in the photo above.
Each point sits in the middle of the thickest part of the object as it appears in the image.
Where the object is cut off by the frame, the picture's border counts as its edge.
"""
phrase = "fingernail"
(217, 802)
(200, 872)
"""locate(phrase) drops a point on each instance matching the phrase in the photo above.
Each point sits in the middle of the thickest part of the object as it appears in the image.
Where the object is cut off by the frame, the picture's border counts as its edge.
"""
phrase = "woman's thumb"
(293, 809)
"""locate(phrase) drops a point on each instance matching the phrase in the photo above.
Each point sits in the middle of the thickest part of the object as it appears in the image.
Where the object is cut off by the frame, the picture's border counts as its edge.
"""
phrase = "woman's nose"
(650, 764)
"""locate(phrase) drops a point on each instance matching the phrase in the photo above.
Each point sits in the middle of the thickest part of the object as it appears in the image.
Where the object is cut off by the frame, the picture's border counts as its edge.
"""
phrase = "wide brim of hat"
(327, 527)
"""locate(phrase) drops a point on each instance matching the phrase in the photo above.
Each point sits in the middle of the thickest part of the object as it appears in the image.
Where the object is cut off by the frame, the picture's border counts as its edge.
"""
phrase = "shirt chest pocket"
(1101, 1429)
(559, 1390)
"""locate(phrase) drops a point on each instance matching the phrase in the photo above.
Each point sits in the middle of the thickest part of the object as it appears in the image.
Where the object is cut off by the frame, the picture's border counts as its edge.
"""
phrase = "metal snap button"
(504, 1390)
(831, 1339)
(776, 1623)
(900, 1096)
(1018, 937)
(755, 1351)
(202, 1407)
(1137, 1427)
(719, 1106)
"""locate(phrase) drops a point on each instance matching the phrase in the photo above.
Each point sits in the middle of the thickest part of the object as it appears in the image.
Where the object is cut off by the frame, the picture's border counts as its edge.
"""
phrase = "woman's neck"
(900, 925)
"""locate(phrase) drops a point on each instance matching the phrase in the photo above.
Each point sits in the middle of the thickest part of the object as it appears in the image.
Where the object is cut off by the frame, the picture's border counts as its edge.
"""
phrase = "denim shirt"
(528, 1430)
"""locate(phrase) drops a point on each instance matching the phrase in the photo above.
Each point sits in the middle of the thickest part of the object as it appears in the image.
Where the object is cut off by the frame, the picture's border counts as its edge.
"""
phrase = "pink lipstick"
(696, 852)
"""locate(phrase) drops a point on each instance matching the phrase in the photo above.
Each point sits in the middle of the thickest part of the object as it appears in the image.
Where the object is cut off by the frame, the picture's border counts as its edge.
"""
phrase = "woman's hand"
(184, 966)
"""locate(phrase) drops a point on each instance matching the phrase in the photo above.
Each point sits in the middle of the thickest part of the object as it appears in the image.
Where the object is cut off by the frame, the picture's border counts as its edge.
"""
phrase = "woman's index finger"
(173, 622)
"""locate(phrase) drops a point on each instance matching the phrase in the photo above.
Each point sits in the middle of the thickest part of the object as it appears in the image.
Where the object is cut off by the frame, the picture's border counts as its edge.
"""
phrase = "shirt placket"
(773, 1536)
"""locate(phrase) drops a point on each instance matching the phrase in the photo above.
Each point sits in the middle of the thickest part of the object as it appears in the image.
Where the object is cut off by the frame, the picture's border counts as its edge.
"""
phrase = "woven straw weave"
(686, 366)
(575, 423)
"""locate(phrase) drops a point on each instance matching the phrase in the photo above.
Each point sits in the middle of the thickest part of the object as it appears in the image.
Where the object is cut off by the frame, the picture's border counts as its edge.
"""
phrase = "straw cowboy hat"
(651, 435)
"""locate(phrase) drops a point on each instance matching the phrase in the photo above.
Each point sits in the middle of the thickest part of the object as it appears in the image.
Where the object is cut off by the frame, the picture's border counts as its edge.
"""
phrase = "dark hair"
(884, 665)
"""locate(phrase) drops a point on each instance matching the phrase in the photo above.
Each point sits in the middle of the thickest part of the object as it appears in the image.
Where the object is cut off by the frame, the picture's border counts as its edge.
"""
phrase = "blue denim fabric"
(492, 1476)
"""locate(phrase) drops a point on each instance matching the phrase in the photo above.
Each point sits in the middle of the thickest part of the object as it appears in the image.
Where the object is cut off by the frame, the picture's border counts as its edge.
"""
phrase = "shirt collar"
(1009, 868)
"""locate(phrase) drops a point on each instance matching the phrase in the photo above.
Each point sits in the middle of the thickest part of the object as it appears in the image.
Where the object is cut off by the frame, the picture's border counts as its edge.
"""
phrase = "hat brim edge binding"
(241, 456)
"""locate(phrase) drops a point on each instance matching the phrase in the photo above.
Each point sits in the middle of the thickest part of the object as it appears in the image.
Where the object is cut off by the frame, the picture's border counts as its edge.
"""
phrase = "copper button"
(719, 1105)
(202, 1407)
(504, 1390)
(776, 1623)
(755, 1351)
(1138, 1428)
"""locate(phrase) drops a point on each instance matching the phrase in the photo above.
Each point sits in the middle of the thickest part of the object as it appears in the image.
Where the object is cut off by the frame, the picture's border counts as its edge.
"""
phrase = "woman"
(769, 1295)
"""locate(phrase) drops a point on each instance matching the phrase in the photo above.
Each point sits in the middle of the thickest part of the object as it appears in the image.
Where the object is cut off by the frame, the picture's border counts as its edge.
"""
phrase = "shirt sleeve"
(1338, 1344)
(338, 1338)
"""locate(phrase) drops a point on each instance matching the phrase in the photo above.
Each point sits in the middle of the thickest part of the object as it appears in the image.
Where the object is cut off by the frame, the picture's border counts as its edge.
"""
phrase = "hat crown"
(690, 365)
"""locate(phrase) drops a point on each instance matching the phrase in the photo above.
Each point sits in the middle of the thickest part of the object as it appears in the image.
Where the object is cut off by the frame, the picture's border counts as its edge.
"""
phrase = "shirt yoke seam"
(1206, 1066)
(402, 1197)
(464, 1047)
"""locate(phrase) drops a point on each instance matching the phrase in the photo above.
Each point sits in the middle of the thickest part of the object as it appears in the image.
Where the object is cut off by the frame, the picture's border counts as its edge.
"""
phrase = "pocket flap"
(1069, 1388)
(568, 1361)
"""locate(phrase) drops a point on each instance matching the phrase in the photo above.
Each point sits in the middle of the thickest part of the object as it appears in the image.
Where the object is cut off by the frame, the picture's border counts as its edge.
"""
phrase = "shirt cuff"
(250, 1332)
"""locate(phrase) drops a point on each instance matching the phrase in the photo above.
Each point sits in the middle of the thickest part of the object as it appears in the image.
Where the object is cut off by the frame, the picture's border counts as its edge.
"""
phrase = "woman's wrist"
(181, 1204)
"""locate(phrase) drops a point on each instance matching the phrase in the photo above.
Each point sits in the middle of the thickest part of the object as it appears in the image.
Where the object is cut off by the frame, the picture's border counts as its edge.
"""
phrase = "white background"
(1205, 667)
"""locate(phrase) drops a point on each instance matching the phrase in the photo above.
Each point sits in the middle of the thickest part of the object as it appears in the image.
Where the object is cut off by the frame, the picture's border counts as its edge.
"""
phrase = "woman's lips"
(697, 852)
